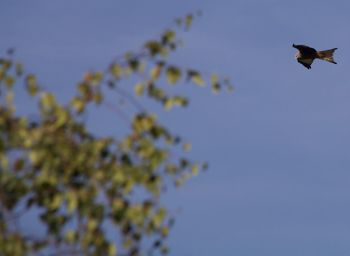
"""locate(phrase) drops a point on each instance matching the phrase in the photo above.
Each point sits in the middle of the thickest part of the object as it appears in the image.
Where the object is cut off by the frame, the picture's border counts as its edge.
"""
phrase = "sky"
(278, 147)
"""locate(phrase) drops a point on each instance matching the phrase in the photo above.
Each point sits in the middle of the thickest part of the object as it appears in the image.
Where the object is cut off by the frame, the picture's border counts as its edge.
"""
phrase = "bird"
(306, 55)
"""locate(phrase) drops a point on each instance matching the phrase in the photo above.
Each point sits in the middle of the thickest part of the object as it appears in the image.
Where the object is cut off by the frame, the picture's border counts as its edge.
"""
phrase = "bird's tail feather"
(327, 55)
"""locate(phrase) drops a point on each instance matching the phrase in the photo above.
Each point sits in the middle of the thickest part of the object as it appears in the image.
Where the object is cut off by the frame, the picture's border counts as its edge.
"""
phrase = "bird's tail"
(327, 55)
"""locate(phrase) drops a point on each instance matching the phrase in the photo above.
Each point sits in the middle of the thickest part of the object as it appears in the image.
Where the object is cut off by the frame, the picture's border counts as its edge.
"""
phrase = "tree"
(80, 185)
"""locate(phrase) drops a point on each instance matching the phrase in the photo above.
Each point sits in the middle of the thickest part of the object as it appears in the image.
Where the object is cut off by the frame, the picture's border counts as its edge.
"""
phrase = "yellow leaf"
(70, 236)
(98, 97)
(56, 202)
(112, 250)
(92, 224)
(116, 70)
(47, 100)
(32, 85)
(186, 147)
(139, 89)
(195, 77)
(9, 81)
(155, 72)
(72, 201)
(78, 104)
(168, 104)
(173, 74)
(195, 169)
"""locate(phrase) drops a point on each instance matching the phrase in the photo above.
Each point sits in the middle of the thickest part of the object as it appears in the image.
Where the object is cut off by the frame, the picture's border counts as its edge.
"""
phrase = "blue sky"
(278, 147)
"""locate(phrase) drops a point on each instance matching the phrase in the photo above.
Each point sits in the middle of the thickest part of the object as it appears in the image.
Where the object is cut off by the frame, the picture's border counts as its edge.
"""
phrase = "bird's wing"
(306, 62)
(306, 50)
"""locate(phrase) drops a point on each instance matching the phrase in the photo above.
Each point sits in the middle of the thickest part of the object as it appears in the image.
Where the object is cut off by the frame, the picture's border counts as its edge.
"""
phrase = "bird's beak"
(294, 46)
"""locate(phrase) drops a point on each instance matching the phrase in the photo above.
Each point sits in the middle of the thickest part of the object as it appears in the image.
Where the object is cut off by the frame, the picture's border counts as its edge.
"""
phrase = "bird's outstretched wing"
(306, 62)
(305, 50)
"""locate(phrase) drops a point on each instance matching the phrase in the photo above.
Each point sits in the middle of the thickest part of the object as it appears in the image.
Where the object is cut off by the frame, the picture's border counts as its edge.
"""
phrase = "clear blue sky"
(278, 148)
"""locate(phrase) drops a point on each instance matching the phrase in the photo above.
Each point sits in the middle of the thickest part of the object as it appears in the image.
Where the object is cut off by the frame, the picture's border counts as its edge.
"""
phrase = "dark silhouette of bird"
(306, 55)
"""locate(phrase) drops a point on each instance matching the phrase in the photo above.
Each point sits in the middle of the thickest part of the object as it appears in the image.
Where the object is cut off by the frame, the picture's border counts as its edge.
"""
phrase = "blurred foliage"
(79, 184)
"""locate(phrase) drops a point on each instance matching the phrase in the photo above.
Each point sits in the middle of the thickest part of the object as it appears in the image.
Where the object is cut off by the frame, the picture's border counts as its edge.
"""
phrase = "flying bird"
(306, 55)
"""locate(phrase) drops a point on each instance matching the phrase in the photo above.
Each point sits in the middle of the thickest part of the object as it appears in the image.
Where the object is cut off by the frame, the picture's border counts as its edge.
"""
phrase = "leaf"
(9, 98)
(98, 97)
(115, 70)
(56, 202)
(47, 100)
(71, 236)
(139, 89)
(155, 92)
(195, 169)
(180, 101)
(173, 74)
(168, 37)
(9, 81)
(32, 85)
(97, 78)
(71, 200)
(155, 72)
(188, 21)
(91, 224)
(214, 79)
(195, 77)
(19, 69)
(186, 147)
(78, 104)
(168, 103)
(154, 47)
(159, 217)
(216, 87)
(112, 250)
(164, 231)
(134, 64)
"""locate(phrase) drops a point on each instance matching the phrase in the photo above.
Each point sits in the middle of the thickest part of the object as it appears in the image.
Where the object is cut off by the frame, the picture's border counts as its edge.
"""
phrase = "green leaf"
(173, 74)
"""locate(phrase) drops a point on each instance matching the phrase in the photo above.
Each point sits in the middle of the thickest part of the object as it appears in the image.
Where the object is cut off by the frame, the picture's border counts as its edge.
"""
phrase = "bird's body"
(306, 55)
